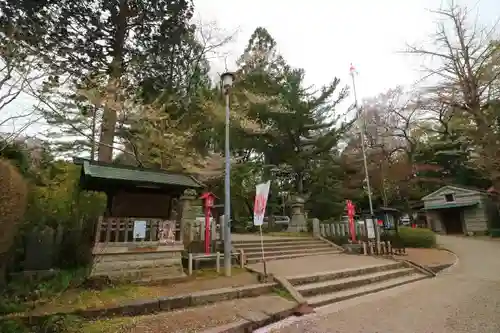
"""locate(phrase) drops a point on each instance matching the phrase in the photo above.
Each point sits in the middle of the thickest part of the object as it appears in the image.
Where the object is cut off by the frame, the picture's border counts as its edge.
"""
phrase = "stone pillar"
(188, 216)
(316, 230)
(298, 222)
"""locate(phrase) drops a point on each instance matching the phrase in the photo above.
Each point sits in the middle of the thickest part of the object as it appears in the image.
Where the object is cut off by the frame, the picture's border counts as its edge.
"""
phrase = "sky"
(325, 36)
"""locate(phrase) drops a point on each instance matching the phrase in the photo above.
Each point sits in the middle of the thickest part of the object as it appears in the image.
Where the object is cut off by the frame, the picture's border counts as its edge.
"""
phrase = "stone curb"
(338, 247)
(457, 259)
(162, 304)
(423, 269)
(251, 324)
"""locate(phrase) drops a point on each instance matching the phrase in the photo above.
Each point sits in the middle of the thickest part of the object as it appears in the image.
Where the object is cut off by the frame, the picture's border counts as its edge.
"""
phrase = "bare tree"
(467, 73)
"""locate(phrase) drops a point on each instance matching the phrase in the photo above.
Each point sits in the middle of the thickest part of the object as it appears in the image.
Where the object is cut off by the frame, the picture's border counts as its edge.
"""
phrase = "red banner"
(351, 211)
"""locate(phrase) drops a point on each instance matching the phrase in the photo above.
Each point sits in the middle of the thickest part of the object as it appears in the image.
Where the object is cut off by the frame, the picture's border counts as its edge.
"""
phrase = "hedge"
(412, 237)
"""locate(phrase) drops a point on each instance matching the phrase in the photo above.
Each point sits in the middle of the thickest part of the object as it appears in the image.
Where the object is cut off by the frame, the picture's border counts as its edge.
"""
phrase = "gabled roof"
(453, 188)
(110, 172)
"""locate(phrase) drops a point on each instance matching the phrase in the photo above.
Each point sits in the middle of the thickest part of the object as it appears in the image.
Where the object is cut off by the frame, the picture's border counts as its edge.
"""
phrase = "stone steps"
(329, 287)
(271, 247)
(283, 248)
(291, 256)
(321, 300)
(277, 241)
(281, 252)
(333, 275)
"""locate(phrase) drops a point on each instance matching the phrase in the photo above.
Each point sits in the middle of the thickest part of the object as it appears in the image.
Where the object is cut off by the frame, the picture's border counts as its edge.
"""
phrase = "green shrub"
(13, 326)
(13, 194)
(412, 237)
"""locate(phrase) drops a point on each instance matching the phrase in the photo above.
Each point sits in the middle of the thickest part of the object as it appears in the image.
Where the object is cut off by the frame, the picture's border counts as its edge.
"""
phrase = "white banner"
(370, 228)
(259, 208)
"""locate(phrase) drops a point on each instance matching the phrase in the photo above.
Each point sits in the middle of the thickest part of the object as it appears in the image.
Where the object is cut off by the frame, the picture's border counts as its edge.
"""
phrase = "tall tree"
(301, 123)
(96, 43)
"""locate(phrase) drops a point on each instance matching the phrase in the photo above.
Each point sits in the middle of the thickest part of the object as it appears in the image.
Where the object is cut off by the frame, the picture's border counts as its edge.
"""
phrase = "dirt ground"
(193, 320)
(428, 257)
(82, 299)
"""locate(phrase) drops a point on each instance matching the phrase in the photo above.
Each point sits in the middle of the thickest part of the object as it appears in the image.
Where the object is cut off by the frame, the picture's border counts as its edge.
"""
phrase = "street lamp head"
(227, 79)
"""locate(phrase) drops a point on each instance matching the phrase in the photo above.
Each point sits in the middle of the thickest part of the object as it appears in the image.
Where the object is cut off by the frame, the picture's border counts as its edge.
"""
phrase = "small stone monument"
(316, 228)
(298, 222)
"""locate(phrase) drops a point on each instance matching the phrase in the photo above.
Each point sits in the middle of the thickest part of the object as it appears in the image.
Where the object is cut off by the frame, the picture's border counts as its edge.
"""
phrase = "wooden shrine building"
(140, 236)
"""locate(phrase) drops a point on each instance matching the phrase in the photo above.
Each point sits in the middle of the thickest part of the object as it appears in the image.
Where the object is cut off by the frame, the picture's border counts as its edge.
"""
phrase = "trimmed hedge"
(412, 237)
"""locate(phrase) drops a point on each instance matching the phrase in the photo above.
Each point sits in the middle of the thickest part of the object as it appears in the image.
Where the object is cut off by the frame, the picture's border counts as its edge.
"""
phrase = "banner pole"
(262, 248)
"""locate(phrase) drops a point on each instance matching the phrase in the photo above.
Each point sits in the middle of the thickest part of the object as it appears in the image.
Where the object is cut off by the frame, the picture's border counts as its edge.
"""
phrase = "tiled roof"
(149, 176)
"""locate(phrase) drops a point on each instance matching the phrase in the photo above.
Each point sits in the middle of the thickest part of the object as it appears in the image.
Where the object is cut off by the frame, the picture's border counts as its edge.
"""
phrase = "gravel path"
(465, 299)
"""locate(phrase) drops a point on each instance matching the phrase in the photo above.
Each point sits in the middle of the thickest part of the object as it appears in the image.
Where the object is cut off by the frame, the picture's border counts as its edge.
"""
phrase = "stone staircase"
(283, 248)
(329, 287)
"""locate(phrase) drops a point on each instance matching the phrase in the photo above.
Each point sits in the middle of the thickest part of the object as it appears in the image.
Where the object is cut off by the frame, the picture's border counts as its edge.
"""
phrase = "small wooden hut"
(141, 234)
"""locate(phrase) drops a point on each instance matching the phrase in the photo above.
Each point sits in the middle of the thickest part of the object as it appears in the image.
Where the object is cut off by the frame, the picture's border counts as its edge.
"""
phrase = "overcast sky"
(325, 36)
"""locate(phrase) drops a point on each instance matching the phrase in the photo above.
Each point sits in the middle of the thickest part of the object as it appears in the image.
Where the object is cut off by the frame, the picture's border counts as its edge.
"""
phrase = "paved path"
(464, 299)
(317, 263)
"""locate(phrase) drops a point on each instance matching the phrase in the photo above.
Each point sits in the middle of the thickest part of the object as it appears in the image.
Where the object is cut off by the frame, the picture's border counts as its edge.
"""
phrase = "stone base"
(131, 264)
(297, 224)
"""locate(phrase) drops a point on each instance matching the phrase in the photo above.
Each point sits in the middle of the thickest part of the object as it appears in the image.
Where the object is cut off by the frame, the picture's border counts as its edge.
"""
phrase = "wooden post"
(190, 264)
(98, 230)
(217, 262)
(242, 258)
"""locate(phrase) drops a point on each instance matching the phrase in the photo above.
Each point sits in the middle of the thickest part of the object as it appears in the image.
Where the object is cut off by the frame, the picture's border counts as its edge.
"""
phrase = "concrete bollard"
(365, 250)
(190, 264)
(389, 247)
(242, 258)
(217, 262)
(372, 248)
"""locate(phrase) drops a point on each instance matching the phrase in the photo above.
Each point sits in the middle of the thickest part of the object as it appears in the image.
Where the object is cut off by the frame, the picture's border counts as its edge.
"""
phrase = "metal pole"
(227, 195)
(367, 177)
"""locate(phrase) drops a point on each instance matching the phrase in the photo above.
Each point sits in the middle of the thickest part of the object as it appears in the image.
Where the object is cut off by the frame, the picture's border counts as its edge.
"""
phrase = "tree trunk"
(109, 116)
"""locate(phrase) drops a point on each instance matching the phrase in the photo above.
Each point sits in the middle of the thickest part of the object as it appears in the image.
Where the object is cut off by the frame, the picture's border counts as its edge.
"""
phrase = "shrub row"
(411, 237)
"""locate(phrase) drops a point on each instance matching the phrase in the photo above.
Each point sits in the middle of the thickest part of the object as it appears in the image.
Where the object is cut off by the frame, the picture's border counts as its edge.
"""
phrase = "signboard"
(259, 208)
(370, 228)
(167, 232)
(139, 229)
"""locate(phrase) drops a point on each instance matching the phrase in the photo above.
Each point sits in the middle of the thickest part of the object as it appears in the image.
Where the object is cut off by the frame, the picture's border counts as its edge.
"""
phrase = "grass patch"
(79, 299)
(283, 293)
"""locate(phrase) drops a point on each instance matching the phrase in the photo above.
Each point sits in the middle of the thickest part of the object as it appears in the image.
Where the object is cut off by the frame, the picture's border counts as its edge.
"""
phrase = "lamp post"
(227, 83)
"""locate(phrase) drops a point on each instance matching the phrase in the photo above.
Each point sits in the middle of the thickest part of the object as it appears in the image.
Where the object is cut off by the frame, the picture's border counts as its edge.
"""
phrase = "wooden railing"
(121, 230)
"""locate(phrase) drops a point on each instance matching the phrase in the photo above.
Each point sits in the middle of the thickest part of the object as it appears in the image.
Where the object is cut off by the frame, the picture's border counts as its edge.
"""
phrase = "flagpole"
(363, 149)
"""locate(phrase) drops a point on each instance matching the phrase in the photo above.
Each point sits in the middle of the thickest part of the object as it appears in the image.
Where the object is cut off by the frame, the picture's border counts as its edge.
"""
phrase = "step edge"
(377, 287)
(363, 277)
